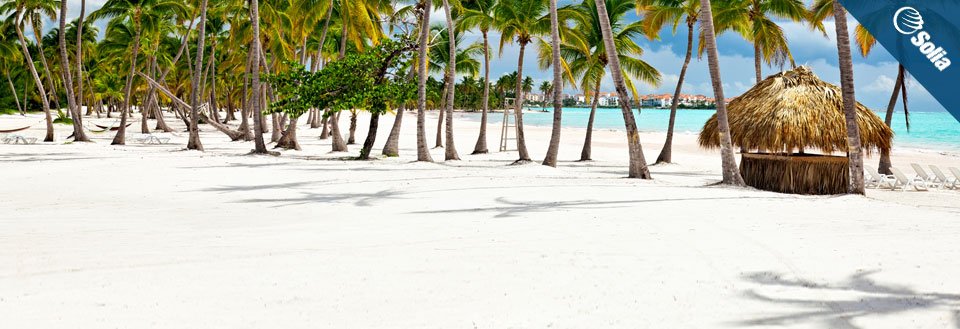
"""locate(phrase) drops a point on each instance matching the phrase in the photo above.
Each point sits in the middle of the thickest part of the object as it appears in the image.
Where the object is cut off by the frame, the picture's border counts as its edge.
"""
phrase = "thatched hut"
(787, 115)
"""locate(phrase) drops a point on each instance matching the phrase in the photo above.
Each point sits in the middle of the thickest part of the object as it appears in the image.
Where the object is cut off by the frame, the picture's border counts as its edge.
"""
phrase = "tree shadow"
(872, 299)
(508, 208)
(358, 199)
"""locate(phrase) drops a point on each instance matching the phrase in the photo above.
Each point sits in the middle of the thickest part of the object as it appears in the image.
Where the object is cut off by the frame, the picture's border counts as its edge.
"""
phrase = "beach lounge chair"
(152, 139)
(922, 174)
(19, 139)
(951, 183)
(903, 182)
(956, 174)
(877, 180)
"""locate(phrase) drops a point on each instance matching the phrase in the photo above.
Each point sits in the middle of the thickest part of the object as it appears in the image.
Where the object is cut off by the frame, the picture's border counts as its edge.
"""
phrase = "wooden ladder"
(508, 123)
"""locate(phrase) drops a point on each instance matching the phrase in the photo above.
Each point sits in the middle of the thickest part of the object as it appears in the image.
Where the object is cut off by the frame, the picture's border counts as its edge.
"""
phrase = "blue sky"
(875, 75)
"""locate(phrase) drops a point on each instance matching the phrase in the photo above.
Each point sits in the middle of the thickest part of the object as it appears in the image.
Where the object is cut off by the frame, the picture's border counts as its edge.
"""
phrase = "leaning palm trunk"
(518, 109)
(78, 134)
(666, 154)
(854, 150)
(13, 91)
(120, 138)
(731, 173)
(36, 79)
(451, 150)
(481, 147)
(551, 158)
(423, 152)
(587, 153)
(392, 148)
(638, 165)
(885, 163)
(338, 143)
(289, 139)
(196, 93)
(52, 91)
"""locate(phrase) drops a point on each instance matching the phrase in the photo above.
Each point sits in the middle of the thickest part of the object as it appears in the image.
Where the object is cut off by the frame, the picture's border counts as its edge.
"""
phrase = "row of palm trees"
(156, 53)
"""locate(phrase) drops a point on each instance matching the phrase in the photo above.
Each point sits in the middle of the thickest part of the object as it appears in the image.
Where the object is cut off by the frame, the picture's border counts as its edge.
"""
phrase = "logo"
(908, 21)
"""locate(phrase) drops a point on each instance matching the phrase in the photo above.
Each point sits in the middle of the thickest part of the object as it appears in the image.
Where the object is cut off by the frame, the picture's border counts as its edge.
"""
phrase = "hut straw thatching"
(795, 110)
(807, 174)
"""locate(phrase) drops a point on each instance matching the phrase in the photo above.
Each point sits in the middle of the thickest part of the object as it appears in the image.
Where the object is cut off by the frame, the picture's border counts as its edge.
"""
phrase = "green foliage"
(371, 80)
(62, 119)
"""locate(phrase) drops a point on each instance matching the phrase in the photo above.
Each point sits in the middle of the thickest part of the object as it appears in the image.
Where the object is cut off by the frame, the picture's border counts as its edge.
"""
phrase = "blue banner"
(923, 35)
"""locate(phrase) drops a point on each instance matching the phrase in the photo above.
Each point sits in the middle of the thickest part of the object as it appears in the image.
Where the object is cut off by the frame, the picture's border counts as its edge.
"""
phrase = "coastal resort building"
(783, 118)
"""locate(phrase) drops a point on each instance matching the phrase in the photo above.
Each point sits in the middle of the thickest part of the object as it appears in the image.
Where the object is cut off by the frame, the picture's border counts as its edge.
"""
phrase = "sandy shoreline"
(152, 236)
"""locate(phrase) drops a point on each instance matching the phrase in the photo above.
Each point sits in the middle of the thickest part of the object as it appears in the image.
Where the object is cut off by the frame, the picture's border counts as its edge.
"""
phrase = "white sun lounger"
(922, 174)
(19, 139)
(877, 180)
(956, 175)
(152, 139)
(903, 182)
(950, 183)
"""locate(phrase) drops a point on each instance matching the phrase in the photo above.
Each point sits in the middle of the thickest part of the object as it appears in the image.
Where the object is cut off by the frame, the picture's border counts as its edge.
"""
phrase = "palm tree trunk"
(443, 113)
(13, 91)
(854, 151)
(371, 136)
(79, 56)
(392, 148)
(481, 147)
(339, 145)
(451, 149)
(423, 152)
(518, 109)
(120, 138)
(666, 154)
(638, 165)
(757, 65)
(352, 135)
(731, 173)
(586, 153)
(52, 91)
(552, 151)
(323, 35)
(79, 135)
(325, 122)
(36, 80)
(196, 92)
(261, 147)
(885, 163)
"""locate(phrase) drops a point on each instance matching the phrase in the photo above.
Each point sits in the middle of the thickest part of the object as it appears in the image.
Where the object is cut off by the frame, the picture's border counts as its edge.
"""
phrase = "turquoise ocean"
(928, 130)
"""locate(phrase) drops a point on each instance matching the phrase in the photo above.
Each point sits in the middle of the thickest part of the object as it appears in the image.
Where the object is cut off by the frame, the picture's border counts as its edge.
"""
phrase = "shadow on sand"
(872, 299)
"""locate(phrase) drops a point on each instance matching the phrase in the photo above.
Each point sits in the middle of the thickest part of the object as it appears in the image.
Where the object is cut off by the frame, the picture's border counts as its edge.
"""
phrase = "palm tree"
(731, 173)
(261, 147)
(440, 61)
(551, 158)
(546, 87)
(822, 10)
(658, 13)
(10, 59)
(854, 151)
(423, 152)
(141, 13)
(520, 21)
(638, 165)
(479, 14)
(587, 56)
(755, 21)
(18, 25)
(450, 150)
(193, 142)
(78, 134)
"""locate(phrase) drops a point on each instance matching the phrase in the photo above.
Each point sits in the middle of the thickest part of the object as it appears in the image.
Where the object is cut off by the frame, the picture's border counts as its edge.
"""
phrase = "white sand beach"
(152, 236)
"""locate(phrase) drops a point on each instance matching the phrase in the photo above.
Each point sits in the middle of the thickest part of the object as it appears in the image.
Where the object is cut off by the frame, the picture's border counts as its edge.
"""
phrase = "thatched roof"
(795, 110)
